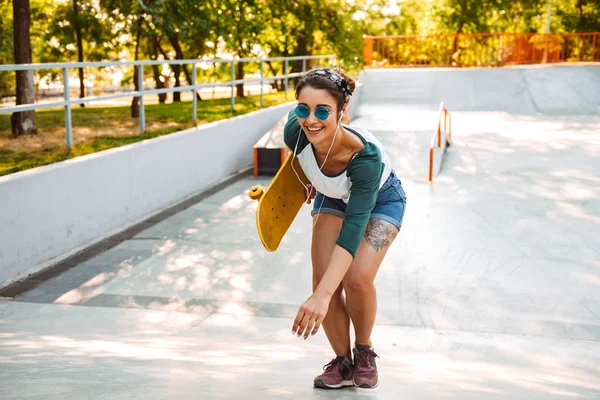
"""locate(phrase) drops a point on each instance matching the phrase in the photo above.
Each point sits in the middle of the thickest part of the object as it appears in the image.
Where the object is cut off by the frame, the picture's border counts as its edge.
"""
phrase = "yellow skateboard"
(280, 203)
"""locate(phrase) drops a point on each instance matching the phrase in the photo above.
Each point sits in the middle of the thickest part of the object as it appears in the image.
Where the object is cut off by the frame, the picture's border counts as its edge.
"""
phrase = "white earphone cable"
(320, 169)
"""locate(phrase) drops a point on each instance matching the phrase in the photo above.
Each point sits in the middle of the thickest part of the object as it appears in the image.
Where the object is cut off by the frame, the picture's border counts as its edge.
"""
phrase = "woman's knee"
(358, 284)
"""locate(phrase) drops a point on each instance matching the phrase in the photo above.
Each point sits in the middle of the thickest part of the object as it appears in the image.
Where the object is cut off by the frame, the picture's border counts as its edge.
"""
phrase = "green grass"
(100, 125)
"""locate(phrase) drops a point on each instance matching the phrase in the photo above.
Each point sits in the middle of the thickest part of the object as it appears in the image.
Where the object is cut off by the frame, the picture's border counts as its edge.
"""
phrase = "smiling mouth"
(314, 130)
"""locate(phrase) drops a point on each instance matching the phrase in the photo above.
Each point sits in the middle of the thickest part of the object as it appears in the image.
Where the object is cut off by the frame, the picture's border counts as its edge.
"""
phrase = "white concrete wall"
(49, 212)
(354, 103)
(547, 89)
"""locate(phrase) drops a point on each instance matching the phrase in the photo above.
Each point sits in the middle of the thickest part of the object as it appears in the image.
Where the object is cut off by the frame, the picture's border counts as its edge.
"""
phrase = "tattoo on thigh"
(380, 234)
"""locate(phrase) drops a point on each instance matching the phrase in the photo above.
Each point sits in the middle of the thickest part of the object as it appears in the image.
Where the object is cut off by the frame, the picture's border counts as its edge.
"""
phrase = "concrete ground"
(492, 289)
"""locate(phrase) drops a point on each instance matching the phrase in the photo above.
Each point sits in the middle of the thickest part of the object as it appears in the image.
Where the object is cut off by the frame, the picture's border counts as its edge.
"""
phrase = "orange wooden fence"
(479, 49)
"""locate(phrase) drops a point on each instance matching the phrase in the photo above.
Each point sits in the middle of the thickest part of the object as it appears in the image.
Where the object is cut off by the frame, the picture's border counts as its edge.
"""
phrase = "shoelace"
(332, 364)
(364, 357)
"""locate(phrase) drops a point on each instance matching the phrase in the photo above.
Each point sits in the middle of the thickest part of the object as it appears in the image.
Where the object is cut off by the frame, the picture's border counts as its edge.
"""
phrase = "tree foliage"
(176, 29)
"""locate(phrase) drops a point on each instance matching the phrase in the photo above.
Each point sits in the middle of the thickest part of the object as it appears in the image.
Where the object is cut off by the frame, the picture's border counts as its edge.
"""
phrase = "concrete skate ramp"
(531, 90)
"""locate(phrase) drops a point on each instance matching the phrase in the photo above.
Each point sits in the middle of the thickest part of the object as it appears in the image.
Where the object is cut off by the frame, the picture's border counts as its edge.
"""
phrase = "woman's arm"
(340, 261)
(313, 311)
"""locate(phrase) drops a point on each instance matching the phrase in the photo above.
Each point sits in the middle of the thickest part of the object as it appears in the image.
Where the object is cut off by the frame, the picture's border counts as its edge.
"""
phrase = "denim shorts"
(390, 204)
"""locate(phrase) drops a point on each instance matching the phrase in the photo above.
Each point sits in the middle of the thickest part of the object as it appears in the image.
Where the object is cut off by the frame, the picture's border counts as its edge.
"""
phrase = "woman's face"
(318, 131)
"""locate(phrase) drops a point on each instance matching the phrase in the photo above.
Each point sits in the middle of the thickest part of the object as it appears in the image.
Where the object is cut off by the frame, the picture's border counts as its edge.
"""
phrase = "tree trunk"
(239, 74)
(275, 83)
(164, 54)
(176, 71)
(301, 50)
(179, 56)
(23, 123)
(455, 45)
(135, 103)
(79, 50)
(162, 97)
(580, 22)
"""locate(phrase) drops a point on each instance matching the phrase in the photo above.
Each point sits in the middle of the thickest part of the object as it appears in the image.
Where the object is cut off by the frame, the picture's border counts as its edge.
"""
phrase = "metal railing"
(438, 135)
(479, 49)
(193, 87)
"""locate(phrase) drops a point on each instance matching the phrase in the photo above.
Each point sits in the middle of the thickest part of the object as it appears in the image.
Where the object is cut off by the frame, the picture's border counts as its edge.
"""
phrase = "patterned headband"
(335, 77)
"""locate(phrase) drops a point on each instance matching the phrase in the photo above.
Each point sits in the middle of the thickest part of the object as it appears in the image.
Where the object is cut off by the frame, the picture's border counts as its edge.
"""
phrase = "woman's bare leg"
(361, 296)
(337, 322)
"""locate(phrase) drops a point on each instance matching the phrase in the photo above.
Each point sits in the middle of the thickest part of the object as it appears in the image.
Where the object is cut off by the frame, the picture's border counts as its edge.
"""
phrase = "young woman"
(357, 213)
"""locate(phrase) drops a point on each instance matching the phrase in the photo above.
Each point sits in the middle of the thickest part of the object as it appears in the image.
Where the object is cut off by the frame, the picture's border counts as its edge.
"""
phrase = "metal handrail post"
(450, 126)
(194, 95)
(262, 75)
(232, 85)
(67, 96)
(445, 119)
(141, 96)
(304, 65)
(445, 113)
(430, 177)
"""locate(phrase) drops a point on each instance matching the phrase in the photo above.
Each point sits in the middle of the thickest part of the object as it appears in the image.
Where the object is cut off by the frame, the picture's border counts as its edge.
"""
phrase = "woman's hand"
(311, 315)
(309, 193)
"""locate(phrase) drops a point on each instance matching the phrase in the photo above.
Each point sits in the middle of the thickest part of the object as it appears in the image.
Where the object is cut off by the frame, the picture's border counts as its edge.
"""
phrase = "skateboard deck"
(279, 204)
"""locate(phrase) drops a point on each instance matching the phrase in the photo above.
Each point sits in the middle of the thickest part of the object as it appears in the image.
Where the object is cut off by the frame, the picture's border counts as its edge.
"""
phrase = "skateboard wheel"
(255, 192)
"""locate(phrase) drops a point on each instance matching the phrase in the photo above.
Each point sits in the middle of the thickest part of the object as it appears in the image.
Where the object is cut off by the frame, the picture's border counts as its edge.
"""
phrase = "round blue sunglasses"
(321, 112)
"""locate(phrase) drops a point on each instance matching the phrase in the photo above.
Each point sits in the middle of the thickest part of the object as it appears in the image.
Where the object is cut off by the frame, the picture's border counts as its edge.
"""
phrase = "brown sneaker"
(365, 370)
(338, 373)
